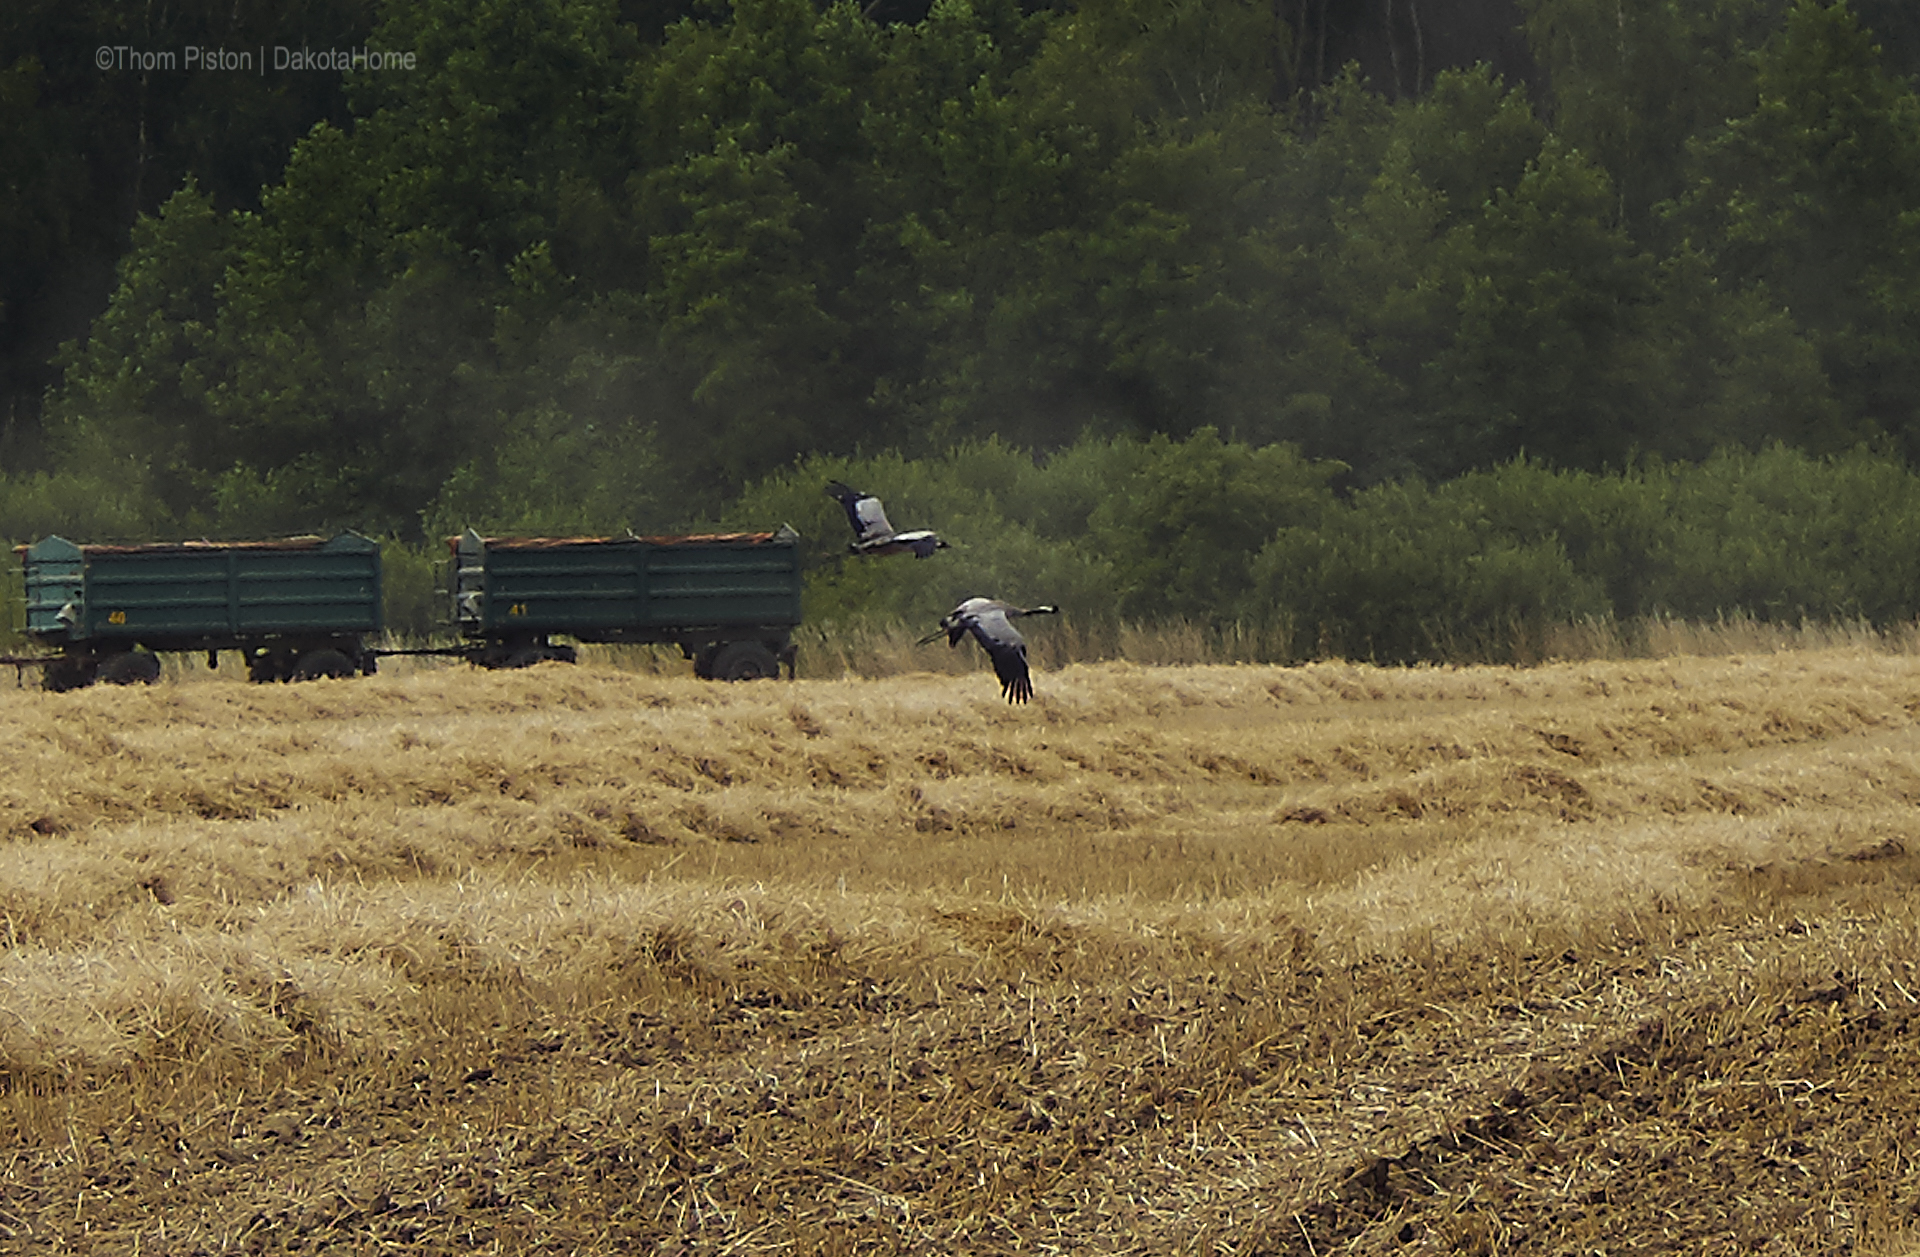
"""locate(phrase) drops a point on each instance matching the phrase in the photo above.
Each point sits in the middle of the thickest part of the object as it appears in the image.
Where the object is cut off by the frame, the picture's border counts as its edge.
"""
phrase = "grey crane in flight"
(873, 535)
(990, 622)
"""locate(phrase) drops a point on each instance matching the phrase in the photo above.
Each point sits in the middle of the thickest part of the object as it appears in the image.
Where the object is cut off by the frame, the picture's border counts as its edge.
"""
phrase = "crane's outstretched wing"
(1008, 650)
(864, 512)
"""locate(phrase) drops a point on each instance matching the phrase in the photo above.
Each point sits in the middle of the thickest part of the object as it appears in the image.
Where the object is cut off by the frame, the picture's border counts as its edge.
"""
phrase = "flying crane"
(873, 535)
(990, 622)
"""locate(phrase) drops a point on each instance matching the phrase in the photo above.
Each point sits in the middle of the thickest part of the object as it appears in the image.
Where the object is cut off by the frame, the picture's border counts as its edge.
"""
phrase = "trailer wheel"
(131, 667)
(73, 673)
(266, 667)
(325, 662)
(745, 661)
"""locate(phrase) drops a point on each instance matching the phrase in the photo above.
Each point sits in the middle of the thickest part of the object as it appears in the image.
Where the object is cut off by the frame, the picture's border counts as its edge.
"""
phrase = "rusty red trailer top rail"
(188, 547)
(555, 543)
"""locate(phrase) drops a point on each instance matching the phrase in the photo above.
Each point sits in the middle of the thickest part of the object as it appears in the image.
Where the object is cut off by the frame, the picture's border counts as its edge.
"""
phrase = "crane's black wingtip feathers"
(1010, 665)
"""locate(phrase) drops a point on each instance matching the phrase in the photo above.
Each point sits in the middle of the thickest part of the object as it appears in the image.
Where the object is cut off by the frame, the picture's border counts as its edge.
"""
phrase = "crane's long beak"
(934, 636)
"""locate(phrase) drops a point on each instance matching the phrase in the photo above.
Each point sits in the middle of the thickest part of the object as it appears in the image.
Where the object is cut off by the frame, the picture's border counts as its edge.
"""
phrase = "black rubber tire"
(67, 674)
(745, 661)
(131, 667)
(325, 662)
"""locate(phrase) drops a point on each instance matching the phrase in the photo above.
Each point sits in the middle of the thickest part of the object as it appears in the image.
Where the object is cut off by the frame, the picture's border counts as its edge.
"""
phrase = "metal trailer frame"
(729, 601)
(295, 609)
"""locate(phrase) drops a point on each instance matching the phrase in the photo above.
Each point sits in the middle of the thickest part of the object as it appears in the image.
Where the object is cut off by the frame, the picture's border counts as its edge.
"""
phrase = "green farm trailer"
(729, 601)
(295, 609)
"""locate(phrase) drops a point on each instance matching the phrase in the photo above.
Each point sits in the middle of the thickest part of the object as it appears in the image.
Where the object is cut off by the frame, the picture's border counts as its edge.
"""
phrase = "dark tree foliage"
(1808, 196)
(1402, 46)
(92, 137)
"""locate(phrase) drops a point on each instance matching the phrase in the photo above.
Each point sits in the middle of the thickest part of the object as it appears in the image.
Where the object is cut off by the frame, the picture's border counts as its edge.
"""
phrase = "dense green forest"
(1355, 294)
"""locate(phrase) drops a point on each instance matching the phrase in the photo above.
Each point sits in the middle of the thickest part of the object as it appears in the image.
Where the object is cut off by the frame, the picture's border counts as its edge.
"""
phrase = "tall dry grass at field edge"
(880, 650)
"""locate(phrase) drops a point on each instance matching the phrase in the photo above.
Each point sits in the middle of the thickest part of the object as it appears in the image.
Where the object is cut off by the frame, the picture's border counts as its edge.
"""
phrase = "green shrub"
(1615, 530)
(1477, 567)
(1405, 574)
(1783, 535)
(1183, 525)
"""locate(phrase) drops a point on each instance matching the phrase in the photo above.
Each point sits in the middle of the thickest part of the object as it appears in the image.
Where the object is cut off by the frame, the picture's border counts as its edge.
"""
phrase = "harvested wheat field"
(1606, 957)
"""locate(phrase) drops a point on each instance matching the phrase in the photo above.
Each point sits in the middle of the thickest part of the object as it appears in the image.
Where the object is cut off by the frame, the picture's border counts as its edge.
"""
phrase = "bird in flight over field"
(990, 621)
(873, 535)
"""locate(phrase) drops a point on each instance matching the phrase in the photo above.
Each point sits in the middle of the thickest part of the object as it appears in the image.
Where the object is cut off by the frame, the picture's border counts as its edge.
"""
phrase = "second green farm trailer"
(729, 601)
